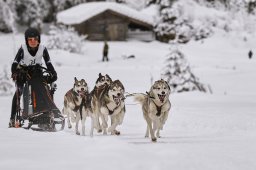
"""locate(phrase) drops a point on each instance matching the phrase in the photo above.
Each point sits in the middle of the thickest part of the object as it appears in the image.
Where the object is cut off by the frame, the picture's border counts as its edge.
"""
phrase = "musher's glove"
(54, 76)
(14, 76)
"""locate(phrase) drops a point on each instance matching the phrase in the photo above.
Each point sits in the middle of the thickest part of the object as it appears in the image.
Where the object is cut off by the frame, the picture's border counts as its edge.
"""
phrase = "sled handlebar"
(27, 69)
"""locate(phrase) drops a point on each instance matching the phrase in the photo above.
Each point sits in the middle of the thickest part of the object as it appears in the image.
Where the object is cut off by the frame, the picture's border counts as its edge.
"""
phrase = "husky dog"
(155, 106)
(102, 84)
(77, 105)
(112, 104)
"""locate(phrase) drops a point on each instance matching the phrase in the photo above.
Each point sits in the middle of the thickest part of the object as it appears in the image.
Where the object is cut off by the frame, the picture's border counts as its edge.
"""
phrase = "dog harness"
(158, 108)
(112, 111)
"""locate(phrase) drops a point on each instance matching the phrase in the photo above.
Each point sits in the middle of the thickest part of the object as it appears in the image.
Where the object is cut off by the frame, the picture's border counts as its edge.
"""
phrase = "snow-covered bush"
(178, 74)
(6, 85)
(65, 38)
(176, 23)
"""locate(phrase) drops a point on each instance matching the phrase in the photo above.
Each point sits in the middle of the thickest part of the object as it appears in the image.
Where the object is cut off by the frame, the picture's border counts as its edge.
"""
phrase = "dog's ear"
(75, 79)
(100, 75)
(109, 78)
(151, 94)
(83, 82)
(168, 85)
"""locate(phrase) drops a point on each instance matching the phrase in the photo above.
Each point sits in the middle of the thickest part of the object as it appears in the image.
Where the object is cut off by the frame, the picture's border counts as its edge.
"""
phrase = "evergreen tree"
(61, 5)
(47, 10)
(173, 24)
(28, 13)
(178, 74)
(7, 16)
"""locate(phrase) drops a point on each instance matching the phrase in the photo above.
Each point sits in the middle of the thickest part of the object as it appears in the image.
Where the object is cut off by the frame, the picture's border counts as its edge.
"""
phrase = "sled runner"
(38, 107)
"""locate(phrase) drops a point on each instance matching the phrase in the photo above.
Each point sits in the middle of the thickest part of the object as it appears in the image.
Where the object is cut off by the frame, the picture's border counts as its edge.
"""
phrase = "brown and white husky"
(77, 105)
(97, 94)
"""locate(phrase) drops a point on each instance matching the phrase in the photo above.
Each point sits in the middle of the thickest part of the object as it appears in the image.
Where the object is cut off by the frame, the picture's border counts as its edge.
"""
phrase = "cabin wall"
(106, 26)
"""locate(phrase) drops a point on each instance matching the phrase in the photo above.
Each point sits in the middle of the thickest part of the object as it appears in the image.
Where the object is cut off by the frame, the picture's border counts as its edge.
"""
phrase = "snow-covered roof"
(83, 12)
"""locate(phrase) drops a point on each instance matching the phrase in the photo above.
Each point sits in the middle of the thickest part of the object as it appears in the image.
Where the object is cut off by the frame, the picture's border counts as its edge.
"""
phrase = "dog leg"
(77, 123)
(153, 138)
(97, 125)
(164, 118)
(156, 129)
(68, 120)
(104, 119)
(92, 126)
(157, 124)
(113, 126)
(83, 124)
(158, 133)
(147, 132)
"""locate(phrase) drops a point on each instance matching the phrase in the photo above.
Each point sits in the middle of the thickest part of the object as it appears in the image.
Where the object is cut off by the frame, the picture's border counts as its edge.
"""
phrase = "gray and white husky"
(155, 106)
(77, 105)
(97, 94)
(112, 104)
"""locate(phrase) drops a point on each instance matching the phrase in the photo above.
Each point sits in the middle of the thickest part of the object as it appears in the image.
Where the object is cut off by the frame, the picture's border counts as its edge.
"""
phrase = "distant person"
(105, 51)
(250, 54)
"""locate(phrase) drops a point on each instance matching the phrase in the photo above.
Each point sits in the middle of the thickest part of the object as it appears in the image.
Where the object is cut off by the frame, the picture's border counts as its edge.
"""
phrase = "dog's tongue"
(82, 93)
(161, 97)
(116, 99)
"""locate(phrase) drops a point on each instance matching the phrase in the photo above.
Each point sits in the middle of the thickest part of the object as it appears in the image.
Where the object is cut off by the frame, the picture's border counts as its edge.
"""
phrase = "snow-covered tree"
(29, 13)
(163, 3)
(65, 38)
(6, 85)
(47, 10)
(65, 4)
(174, 25)
(177, 24)
(7, 16)
(178, 73)
(251, 7)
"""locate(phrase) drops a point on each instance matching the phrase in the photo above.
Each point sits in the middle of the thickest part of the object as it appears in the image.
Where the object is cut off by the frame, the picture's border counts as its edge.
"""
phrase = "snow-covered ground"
(204, 131)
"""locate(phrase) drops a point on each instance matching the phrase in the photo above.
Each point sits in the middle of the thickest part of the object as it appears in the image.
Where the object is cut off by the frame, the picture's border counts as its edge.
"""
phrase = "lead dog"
(155, 106)
(112, 104)
(101, 86)
(77, 105)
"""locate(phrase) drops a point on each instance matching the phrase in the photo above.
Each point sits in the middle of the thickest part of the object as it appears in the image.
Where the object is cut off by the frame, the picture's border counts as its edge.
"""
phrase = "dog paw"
(69, 126)
(99, 131)
(117, 132)
(154, 139)
(78, 133)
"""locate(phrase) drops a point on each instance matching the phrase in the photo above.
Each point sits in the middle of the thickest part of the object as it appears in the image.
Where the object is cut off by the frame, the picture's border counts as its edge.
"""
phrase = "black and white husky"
(77, 105)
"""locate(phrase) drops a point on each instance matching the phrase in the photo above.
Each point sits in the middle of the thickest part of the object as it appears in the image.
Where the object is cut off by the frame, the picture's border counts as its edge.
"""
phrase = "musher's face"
(33, 42)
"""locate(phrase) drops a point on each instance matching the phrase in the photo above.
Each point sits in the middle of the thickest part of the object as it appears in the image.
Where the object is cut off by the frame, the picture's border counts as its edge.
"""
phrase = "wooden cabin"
(112, 23)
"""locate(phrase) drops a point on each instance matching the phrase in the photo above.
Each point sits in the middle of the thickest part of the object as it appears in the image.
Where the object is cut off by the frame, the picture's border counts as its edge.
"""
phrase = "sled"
(38, 110)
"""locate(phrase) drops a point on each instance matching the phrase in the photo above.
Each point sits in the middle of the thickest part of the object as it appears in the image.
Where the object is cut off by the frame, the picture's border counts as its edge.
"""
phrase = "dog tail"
(139, 97)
